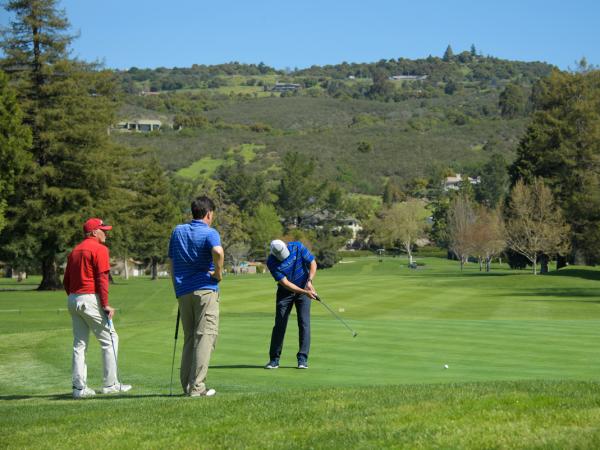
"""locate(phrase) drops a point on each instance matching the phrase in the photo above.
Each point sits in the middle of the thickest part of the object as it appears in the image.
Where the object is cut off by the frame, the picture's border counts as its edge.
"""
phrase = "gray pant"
(86, 315)
(200, 321)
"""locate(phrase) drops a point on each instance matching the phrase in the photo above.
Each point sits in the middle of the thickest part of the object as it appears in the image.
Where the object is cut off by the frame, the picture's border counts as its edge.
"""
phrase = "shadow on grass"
(470, 273)
(589, 274)
(248, 366)
(237, 366)
(97, 397)
(576, 295)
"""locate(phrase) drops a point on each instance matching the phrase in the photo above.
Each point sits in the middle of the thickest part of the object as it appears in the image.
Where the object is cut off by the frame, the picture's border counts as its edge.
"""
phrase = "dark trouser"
(283, 307)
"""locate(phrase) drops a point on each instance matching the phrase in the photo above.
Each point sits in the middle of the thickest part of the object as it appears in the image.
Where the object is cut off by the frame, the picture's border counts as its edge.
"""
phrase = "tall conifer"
(69, 106)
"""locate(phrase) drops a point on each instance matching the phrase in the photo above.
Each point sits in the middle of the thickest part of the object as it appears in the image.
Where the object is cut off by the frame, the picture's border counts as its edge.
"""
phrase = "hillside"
(361, 131)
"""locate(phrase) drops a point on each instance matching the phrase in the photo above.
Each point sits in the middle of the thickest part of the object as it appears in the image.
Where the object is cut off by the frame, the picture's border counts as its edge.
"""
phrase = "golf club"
(354, 333)
(111, 328)
(174, 347)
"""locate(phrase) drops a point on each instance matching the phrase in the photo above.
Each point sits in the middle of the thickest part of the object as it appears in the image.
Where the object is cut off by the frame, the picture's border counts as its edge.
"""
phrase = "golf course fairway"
(523, 357)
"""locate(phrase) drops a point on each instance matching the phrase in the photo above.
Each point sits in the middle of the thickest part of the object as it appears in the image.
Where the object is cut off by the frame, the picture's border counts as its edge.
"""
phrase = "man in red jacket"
(86, 284)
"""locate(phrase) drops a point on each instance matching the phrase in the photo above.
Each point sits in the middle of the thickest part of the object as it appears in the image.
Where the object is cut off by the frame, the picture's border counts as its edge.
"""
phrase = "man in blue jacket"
(294, 269)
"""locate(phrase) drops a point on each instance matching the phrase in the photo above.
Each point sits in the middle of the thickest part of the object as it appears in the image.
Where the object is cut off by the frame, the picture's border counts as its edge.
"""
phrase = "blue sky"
(126, 33)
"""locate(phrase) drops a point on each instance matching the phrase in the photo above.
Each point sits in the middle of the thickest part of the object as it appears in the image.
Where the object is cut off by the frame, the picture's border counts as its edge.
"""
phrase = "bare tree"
(402, 223)
(460, 227)
(236, 253)
(535, 223)
(488, 236)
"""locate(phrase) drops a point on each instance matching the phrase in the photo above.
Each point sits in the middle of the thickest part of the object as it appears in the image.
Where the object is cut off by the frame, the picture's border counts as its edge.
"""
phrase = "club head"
(354, 334)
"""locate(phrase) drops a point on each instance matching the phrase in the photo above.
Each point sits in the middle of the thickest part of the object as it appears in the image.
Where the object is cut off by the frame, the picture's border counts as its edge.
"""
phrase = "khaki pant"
(200, 321)
(86, 315)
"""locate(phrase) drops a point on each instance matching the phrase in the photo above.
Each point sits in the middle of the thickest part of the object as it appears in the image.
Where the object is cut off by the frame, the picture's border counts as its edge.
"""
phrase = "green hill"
(407, 128)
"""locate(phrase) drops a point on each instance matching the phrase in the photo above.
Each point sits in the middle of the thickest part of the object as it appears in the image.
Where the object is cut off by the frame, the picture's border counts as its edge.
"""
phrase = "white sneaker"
(207, 393)
(116, 388)
(86, 392)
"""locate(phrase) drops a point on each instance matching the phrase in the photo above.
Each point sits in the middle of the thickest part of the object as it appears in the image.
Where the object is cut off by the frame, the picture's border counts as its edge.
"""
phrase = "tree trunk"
(462, 263)
(126, 268)
(578, 257)
(154, 270)
(544, 264)
(561, 261)
(534, 262)
(480, 259)
(50, 278)
(488, 261)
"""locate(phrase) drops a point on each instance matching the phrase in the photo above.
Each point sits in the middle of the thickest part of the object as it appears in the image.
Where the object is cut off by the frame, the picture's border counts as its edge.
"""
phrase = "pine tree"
(448, 54)
(263, 226)
(68, 105)
(298, 189)
(154, 214)
(15, 139)
(511, 101)
(562, 146)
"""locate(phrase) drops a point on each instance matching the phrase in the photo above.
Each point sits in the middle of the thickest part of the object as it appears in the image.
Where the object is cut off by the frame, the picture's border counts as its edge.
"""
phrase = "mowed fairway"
(523, 353)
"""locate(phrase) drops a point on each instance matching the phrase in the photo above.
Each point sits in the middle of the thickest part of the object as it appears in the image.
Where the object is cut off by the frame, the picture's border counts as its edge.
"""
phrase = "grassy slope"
(407, 137)
(206, 166)
(387, 387)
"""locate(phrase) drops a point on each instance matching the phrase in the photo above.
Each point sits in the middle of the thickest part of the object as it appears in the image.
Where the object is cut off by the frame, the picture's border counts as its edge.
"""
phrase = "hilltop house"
(453, 183)
(408, 77)
(285, 87)
(140, 125)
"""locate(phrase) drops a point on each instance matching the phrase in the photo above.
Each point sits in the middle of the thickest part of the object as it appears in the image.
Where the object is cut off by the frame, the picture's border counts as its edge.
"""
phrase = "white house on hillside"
(453, 183)
(141, 125)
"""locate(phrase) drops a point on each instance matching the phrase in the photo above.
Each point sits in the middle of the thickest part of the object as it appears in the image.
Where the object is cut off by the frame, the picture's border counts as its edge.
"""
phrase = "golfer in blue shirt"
(294, 268)
(196, 258)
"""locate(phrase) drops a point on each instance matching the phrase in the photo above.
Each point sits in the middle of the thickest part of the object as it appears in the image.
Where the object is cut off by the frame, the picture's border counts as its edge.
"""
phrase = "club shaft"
(174, 347)
(111, 328)
(336, 316)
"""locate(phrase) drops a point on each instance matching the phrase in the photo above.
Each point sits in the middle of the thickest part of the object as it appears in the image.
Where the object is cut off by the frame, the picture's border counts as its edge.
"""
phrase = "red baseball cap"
(95, 224)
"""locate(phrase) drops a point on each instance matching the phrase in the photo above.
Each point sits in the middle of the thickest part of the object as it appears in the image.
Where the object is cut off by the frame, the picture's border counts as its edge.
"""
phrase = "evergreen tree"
(247, 190)
(298, 189)
(68, 105)
(155, 214)
(494, 181)
(392, 193)
(382, 87)
(15, 140)
(562, 146)
(263, 226)
(512, 101)
(451, 87)
(448, 54)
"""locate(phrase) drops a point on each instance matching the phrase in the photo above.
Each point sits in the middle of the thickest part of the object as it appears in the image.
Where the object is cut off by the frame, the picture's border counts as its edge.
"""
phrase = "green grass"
(204, 167)
(523, 354)
(246, 151)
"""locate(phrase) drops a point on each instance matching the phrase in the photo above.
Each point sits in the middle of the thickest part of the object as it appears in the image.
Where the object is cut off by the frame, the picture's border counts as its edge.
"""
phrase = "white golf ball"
(446, 366)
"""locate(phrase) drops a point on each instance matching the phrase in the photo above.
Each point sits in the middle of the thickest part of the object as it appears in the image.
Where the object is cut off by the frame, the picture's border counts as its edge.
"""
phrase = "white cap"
(279, 250)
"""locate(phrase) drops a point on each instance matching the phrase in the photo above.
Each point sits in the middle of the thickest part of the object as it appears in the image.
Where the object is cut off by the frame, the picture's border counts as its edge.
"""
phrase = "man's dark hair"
(201, 206)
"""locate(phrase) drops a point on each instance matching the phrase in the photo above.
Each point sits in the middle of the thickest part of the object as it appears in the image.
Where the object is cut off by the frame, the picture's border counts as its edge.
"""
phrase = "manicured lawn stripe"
(523, 355)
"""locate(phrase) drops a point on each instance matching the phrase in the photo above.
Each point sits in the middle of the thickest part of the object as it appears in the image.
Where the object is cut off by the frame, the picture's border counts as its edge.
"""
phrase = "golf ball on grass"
(446, 366)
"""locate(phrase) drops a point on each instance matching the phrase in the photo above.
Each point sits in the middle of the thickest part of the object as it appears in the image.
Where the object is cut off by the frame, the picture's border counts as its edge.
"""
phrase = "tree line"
(59, 166)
